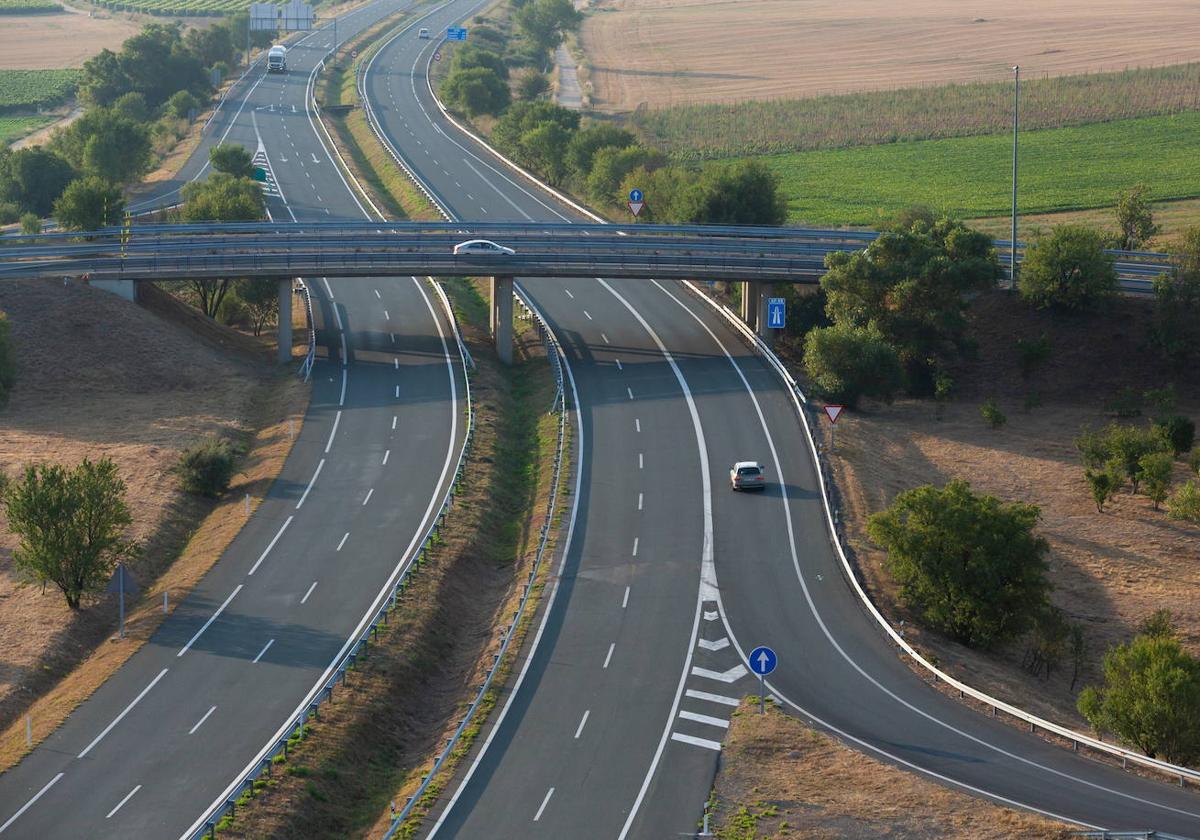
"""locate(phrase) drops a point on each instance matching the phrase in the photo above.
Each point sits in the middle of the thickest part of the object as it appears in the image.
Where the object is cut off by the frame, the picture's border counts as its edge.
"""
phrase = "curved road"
(159, 742)
(614, 727)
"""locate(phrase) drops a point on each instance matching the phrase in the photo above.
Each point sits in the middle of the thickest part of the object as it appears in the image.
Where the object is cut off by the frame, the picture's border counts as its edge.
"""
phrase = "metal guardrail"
(1131, 835)
(311, 356)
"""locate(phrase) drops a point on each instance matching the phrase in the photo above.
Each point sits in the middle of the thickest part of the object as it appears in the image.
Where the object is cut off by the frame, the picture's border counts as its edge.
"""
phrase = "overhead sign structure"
(456, 33)
(295, 16)
(776, 313)
(636, 202)
(833, 412)
(762, 662)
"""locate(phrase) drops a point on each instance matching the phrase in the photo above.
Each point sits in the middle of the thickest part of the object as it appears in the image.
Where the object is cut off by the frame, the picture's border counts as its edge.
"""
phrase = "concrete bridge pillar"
(501, 317)
(752, 304)
(285, 320)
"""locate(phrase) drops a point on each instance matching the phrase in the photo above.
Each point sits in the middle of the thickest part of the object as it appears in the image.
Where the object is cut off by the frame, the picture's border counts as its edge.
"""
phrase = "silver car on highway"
(747, 475)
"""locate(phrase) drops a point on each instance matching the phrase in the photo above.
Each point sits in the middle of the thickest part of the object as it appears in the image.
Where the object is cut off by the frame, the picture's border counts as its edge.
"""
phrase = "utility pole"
(1016, 125)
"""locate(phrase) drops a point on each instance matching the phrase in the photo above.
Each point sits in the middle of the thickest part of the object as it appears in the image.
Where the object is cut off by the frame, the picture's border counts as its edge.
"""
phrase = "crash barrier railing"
(553, 353)
(832, 515)
(1128, 835)
(377, 616)
(311, 356)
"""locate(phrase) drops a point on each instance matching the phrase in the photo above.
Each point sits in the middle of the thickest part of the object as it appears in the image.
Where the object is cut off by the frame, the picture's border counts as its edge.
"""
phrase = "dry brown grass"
(1172, 217)
(38, 42)
(780, 778)
(1110, 570)
(667, 52)
(100, 378)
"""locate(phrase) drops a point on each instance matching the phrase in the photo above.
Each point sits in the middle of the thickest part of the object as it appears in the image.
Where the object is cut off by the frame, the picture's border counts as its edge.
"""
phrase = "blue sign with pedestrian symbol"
(636, 195)
(763, 660)
(776, 313)
(455, 33)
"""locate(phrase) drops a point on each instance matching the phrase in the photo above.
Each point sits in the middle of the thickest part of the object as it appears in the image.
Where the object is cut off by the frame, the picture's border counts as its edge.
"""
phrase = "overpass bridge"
(117, 259)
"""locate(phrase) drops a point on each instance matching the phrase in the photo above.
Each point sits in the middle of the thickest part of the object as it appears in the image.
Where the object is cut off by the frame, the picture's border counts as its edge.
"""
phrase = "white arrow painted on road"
(732, 675)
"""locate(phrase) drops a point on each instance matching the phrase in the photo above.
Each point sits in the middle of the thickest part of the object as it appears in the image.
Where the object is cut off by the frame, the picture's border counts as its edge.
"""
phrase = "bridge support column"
(501, 317)
(752, 304)
(764, 332)
(123, 288)
(285, 320)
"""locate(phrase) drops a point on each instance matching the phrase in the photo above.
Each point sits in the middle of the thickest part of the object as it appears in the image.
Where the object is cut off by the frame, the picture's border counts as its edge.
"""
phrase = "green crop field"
(1061, 169)
(177, 8)
(696, 132)
(28, 90)
(12, 128)
(28, 7)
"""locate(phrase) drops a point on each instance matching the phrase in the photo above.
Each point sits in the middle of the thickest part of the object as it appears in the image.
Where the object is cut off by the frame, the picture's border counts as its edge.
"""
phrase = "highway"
(614, 726)
(159, 743)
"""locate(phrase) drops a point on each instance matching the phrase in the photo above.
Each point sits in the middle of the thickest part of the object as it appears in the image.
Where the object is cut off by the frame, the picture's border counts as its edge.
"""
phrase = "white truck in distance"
(277, 59)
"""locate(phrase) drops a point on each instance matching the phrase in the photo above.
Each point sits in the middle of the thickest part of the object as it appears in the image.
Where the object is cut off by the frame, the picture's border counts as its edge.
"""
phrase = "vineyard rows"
(186, 8)
(13, 127)
(29, 90)
(28, 7)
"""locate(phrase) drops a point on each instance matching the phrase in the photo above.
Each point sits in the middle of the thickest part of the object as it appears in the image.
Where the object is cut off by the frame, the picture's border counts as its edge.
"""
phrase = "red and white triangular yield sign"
(833, 411)
(635, 207)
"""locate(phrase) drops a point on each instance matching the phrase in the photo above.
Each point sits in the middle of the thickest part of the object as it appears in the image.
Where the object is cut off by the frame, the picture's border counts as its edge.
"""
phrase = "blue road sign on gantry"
(456, 33)
(763, 660)
(776, 313)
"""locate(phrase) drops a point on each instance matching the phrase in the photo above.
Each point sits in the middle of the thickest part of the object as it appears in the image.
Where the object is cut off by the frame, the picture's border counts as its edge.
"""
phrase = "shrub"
(1104, 483)
(476, 90)
(1177, 301)
(1126, 403)
(847, 362)
(1120, 445)
(1150, 697)
(1178, 432)
(9, 212)
(1032, 353)
(1067, 270)
(971, 565)
(31, 224)
(1135, 218)
(992, 414)
(1159, 624)
(1185, 502)
(207, 468)
(1154, 471)
(1194, 461)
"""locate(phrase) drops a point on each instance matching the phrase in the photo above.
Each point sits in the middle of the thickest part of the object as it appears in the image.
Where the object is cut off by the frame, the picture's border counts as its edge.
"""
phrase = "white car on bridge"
(482, 247)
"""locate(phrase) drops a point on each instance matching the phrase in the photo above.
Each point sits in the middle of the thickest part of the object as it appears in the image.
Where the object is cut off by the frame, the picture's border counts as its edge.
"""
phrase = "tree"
(182, 104)
(156, 63)
(103, 79)
(741, 193)
(471, 56)
(1178, 432)
(33, 178)
(522, 117)
(131, 106)
(1154, 470)
(544, 22)
(107, 144)
(1185, 502)
(261, 296)
(1067, 270)
(211, 44)
(581, 151)
(231, 159)
(532, 84)
(544, 149)
(1104, 483)
(1150, 698)
(1177, 301)
(221, 198)
(89, 203)
(8, 361)
(971, 565)
(1135, 218)
(1119, 445)
(475, 91)
(611, 165)
(71, 525)
(847, 362)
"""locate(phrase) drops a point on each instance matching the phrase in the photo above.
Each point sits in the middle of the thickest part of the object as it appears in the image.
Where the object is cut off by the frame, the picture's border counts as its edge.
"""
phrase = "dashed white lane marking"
(29, 804)
(619, 365)
(625, 600)
(635, 545)
(396, 362)
(309, 592)
(637, 425)
(345, 537)
(606, 341)
(386, 453)
(368, 498)
(585, 312)
(568, 291)
(639, 501)
(271, 544)
(200, 632)
(109, 728)
(709, 720)
(713, 698)
(386, 315)
(711, 615)
(266, 647)
(337, 418)
(393, 335)
(719, 644)
(731, 676)
(582, 722)
(128, 796)
(200, 722)
(696, 742)
(378, 295)
(608, 656)
(394, 419)
(641, 461)
(545, 801)
(471, 197)
(629, 391)
(397, 392)
(311, 482)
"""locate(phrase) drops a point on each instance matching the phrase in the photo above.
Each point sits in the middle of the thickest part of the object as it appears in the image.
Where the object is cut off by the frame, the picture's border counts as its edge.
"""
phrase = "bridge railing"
(311, 355)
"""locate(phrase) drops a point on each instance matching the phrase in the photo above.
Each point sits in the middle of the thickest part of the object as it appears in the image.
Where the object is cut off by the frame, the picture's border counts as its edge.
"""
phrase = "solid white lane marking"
(28, 804)
(342, 398)
(635, 545)
(639, 501)
(266, 647)
(579, 731)
(386, 315)
(538, 815)
(731, 676)
(200, 722)
(345, 537)
(625, 600)
(337, 418)
(719, 644)
(637, 424)
(641, 461)
(271, 544)
(309, 592)
(211, 619)
(705, 719)
(585, 312)
(378, 295)
(629, 391)
(121, 716)
(368, 498)
(619, 365)
(386, 453)
(608, 656)
(568, 291)
(342, 337)
(128, 796)
(711, 615)
(329, 291)
(606, 341)
(713, 698)
(311, 482)
(715, 746)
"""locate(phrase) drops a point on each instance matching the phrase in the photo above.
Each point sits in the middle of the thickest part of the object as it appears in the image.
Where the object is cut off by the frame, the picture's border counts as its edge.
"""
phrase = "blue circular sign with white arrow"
(763, 660)
(636, 195)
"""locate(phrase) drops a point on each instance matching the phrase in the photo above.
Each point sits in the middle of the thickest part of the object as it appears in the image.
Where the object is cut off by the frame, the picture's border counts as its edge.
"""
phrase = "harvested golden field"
(43, 42)
(780, 778)
(668, 52)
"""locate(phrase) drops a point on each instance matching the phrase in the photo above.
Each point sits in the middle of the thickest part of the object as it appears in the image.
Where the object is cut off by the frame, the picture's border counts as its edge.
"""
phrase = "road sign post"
(637, 200)
(120, 583)
(833, 412)
(776, 313)
(762, 662)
